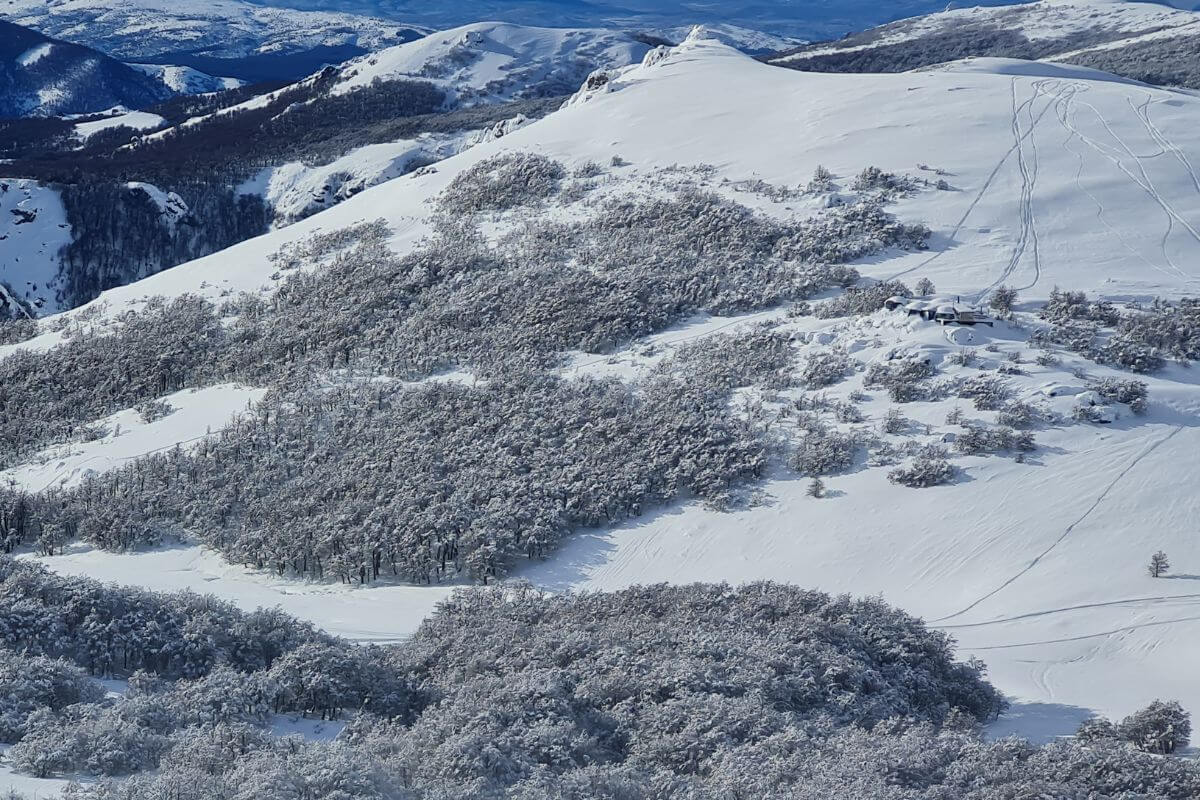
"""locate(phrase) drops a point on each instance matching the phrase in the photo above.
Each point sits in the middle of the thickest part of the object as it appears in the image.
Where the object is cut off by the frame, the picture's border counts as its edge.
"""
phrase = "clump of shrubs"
(825, 369)
(928, 469)
(1066, 306)
(1160, 728)
(860, 300)
(1017, 414)
(904, 379)
(988, 392)
(1132, 393)
(977, 440)
(502, 183)
(822, 450)
(15, 331)
(154, 410)
(875, 179)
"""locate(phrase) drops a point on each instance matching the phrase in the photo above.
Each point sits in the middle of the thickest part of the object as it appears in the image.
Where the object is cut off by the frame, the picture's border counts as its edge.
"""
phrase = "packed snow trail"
(1070, 528)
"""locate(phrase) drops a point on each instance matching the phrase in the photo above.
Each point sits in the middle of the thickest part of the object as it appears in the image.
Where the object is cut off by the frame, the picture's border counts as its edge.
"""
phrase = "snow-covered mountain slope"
(185, 80)
(257, 43)
(1052, 180)
(801, 19)
(1043, 29)
(1052, 177)
(33, 228)
(40, 76)
(118, 118)
(486, 62)
(491, 61)
(296, 190)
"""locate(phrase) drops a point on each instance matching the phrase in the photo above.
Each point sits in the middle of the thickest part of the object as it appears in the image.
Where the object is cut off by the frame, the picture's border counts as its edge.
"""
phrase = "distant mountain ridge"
(1150, 42)
(41, 76)
(220, 37)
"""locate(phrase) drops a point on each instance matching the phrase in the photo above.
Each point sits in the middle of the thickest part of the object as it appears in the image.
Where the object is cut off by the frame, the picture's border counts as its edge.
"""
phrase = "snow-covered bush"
(824, 451)
(16, 330)
(861, 300)
(875, 179)
(988, 392)
(1133, 393)
(1067, 306)
(1002, 300)
(154, 410)
(894, 421)
(922, 472)
(821, 182)
(754, 358)
(29, 683)
(1165, 330)
(1018, 414)
(977, 440)
(1161, 727)
(963, 357)
(904, 379)
(502, 183)
(824, 368)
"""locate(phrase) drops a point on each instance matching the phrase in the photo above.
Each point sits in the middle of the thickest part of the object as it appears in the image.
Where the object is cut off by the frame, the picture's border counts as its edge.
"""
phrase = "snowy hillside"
(186, 80)
(40, 76)
(1027, 175)
(257, 42)
(33, 228)
(1135, 38)
(491, 61)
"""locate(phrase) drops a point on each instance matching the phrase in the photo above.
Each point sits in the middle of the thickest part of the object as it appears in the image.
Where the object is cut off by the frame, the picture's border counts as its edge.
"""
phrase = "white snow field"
(1039, 567)
(126, 435)
(33, 227)
(119, 117)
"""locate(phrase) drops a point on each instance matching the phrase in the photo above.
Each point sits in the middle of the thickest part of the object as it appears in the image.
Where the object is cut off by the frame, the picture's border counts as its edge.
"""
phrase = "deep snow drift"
(1052, 178)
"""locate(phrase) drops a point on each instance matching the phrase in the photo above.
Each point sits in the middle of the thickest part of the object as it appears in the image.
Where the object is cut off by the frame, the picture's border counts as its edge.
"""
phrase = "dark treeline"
(118, 238)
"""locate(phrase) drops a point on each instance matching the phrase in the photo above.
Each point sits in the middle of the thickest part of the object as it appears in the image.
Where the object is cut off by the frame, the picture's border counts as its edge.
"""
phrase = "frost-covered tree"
(1158, 564)
(1161, 727)
(1003, 299)
(925, 287)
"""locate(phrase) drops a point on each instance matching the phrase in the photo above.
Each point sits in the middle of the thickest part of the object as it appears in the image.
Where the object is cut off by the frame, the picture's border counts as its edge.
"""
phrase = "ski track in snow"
(1127, 602)
(1144, 182)
(1171, 271)
(1070, 528)
(1158, 623)
(987, 184)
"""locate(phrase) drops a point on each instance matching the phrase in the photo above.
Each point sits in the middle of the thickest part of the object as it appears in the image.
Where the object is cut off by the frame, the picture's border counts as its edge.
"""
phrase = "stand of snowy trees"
(505, 692)
(431, 481)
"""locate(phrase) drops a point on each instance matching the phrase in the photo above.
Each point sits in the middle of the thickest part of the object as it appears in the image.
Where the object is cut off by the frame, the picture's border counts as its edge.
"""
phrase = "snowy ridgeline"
(1142, 41)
